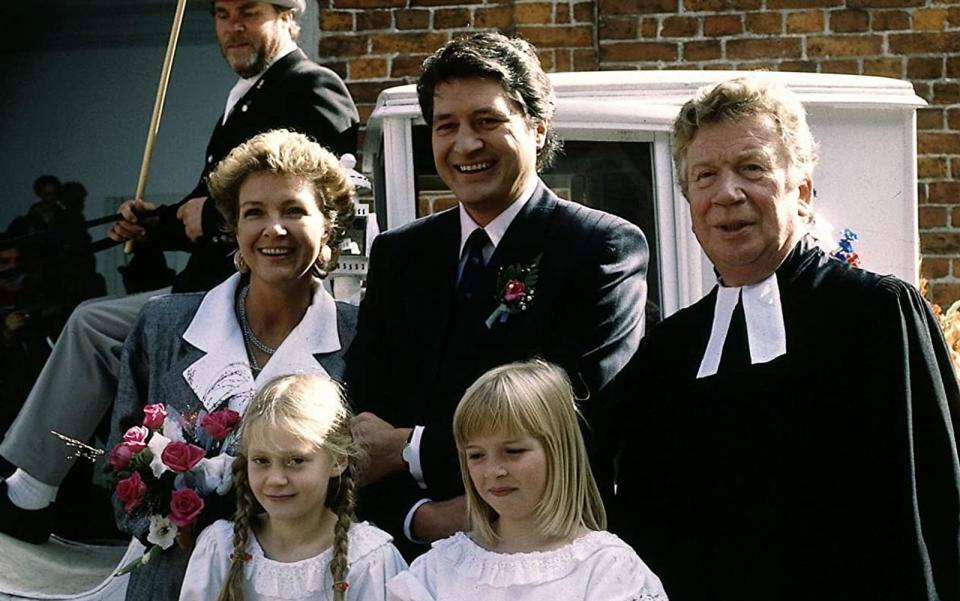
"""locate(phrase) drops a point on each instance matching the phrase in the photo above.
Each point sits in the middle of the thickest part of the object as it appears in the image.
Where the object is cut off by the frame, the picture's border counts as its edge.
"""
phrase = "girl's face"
(288, 476)
(509, 472)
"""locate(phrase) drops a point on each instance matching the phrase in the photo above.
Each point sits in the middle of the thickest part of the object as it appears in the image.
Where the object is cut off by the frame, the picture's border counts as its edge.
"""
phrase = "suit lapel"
(523, 240)
(275, 71)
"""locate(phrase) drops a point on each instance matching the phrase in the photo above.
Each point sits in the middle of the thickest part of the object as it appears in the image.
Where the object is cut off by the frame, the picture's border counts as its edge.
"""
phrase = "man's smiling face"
(484, 148)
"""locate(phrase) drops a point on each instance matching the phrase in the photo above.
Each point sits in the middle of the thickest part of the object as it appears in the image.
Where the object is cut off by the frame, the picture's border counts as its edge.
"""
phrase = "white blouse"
(372, 560)
(596, 567)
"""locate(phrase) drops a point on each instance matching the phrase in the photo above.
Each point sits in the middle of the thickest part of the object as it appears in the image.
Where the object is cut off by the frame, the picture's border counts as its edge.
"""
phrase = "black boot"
(29, 525)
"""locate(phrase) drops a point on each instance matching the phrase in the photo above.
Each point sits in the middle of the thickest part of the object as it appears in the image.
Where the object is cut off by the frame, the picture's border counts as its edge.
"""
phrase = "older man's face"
(250, 33)
(745, 200)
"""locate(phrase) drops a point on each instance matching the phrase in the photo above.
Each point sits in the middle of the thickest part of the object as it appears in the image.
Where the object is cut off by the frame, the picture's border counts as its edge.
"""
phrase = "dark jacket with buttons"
(294, 93)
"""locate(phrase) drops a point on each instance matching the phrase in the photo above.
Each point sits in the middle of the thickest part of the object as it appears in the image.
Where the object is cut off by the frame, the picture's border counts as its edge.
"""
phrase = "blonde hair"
(285, 152)
(737, 99)
(311, 407)
(532, 398)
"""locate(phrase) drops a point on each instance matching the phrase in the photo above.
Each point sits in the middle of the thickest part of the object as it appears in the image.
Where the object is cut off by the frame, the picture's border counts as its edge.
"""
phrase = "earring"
(239, 263)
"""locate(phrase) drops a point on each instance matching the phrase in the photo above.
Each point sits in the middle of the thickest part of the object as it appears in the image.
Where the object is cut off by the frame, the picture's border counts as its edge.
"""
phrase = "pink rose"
(219, 423)
(514, 291)
(180, 456)
(120, 456)
(136, 435)
(153, 415)
(131, 491)
(185, 507)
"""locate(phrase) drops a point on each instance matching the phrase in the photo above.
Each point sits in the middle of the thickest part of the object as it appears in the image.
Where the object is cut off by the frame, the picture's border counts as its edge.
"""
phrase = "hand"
(383, 444)
(439, 519)
(191, 214)
(127, 227)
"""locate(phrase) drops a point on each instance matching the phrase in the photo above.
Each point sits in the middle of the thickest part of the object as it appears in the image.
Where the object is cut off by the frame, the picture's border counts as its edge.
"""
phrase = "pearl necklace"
(248, 334)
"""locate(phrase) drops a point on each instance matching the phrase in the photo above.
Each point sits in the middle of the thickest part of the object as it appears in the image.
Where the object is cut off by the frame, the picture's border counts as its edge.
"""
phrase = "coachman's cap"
(298, 5)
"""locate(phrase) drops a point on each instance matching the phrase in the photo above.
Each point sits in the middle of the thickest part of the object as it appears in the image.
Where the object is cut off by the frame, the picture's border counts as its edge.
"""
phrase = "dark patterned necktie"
(471, 278)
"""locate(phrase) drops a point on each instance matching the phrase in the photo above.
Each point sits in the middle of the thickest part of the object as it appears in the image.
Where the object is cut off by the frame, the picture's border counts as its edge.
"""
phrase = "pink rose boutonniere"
(516, 285)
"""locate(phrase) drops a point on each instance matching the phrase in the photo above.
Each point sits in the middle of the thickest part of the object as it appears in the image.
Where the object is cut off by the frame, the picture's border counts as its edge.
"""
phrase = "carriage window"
(612, 176)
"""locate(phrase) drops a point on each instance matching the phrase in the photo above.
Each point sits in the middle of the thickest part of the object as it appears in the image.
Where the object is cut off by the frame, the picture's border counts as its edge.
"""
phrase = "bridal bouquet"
(165, 468)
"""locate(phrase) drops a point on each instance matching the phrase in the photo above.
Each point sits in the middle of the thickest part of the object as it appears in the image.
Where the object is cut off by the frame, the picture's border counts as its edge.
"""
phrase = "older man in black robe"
(793, 434)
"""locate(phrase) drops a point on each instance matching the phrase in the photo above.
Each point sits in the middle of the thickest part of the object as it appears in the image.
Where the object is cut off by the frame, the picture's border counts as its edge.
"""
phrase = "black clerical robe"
(830, 472)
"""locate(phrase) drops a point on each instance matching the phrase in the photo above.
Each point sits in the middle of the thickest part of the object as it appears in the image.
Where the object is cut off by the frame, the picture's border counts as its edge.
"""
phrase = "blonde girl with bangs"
(293, 536)
(536, 518)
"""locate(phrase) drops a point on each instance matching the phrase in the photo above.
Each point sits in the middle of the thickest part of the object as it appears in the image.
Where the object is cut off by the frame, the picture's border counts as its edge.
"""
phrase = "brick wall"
(375, 44)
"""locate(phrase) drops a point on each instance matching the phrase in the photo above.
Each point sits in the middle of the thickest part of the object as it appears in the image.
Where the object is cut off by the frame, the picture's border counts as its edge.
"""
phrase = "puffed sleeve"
(209, 563)
(416, 584)
(369, 575)
(620, 575)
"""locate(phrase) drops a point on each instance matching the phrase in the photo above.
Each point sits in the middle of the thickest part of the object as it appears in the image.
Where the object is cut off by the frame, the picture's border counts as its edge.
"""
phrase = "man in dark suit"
(511, 273)
(278, 88)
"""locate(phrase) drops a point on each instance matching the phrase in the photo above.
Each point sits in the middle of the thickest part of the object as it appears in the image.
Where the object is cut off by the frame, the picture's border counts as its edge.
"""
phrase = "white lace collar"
(503, 570)
(763, 313)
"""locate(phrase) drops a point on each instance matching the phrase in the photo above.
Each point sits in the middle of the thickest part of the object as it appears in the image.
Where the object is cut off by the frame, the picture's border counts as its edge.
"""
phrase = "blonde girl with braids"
(293, 537)
(536, 518)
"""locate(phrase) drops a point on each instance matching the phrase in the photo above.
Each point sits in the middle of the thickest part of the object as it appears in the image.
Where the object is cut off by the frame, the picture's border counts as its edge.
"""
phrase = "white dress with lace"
(372, 560)
(596, 567)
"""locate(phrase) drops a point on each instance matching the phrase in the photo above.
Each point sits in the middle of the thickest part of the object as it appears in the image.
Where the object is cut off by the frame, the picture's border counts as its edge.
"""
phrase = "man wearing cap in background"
(278, 88)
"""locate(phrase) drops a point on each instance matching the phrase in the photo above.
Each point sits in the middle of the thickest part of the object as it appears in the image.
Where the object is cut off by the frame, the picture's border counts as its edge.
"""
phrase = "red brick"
(887, 20)
(938, 143)
(679, 27)
(546, 59)
(944, 193)
(931, 217)
(373, 19)
(921, 193)
(368, 3)
(343, 45)
(634, 7)
(583, 12)
(406, 65)
(638, 51)
(799, 66)
(935, 268)
(925, 68)
(618, 28)
(805, 22)
(953, 66)
(955, 167)
(953, 16)
(924, 90)
(562, 61)
(338, 67)
(930, 19)
(702, 51)
(496, 17)
(413, 18)
(930, 118)
(558, 37)
(539, 13)
(775, 4)
(718, 5)
(924, 43)
(765, 22)
(884, 67)
(367, 68)
(940, 243)
(563, 13)
(883, 3)
(722, 25)
(844, 45)
(648, 28)
(946, 93)
(933, 168)
(365, 111)
(772, 48)
(368, 91)
(336, 20)
(388, 43)
(849, 21)
(451, 18)
(849, 67)
(584, 59)
(944, 294)
(953, 122)
(442, 2)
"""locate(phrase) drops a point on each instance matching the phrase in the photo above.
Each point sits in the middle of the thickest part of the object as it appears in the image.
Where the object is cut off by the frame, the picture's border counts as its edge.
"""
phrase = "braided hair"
(247, 510)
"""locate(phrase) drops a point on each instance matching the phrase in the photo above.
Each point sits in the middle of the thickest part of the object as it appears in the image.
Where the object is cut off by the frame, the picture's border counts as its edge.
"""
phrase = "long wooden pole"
(157, 110)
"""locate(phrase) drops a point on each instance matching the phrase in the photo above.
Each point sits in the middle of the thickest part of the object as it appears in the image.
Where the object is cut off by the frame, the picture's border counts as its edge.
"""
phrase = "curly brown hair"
(285, 152)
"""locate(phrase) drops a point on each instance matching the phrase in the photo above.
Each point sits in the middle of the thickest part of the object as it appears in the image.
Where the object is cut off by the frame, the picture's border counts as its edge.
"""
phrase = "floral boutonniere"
(516, 285)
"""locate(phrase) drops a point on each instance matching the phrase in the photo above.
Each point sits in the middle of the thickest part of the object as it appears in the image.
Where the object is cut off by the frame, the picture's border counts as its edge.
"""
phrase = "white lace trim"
(503, 570)
(300, 579)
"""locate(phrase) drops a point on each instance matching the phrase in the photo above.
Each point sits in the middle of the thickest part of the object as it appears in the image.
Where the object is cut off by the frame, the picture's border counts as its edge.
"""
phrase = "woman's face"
(509, 472)
(280, 229)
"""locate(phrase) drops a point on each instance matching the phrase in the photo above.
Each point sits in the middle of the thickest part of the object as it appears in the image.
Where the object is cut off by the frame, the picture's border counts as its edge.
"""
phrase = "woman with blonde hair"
(296, 482)
(536, 519)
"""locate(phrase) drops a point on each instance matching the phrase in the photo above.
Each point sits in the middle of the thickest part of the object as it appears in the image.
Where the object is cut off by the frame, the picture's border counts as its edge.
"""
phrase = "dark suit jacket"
(294, 93)
(416, 353)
